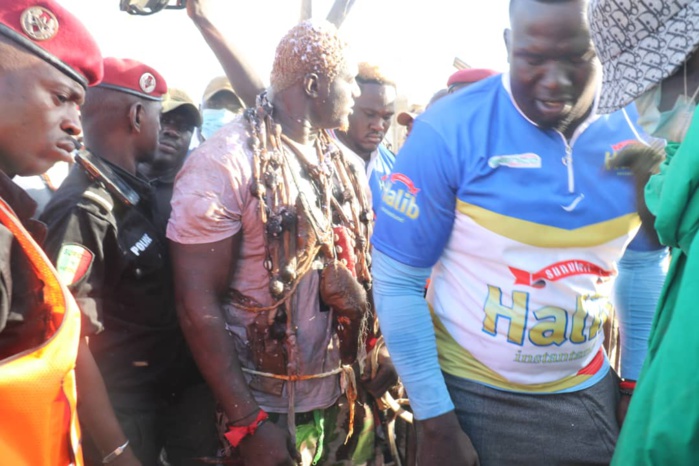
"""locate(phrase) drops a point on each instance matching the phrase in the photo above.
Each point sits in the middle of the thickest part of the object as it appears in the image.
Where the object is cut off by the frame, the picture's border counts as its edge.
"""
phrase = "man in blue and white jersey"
(506, 194)
(362, 140)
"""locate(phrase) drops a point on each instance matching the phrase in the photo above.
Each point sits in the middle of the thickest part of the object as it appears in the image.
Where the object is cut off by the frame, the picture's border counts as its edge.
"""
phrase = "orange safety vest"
(38, 419)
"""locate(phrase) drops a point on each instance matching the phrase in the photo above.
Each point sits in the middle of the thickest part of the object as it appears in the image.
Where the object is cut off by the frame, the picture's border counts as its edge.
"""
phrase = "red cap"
(470, 75)
(133, 77)
(48, 30)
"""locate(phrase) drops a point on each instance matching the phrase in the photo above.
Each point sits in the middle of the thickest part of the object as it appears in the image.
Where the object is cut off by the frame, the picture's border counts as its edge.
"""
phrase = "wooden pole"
(339, 11)
(306, 9)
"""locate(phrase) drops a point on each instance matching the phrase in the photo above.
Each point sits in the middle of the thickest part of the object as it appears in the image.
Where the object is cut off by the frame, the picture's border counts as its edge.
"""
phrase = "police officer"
(43, 363)
(106, 247)
(193, 409)
(178, 120)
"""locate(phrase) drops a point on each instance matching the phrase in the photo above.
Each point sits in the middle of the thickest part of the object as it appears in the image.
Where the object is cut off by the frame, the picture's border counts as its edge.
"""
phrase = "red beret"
(133, 77)
(49, 31)
(470, 75)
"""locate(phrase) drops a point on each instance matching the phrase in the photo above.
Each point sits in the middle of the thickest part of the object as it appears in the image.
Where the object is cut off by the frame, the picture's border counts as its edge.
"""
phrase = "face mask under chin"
(671, 125)
(215, 119)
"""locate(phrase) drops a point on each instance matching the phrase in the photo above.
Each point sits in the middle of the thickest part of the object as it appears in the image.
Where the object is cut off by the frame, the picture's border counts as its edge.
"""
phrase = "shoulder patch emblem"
(73, 263)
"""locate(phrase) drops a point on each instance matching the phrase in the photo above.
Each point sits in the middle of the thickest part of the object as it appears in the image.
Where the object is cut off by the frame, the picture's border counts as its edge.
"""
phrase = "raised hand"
(198, 9)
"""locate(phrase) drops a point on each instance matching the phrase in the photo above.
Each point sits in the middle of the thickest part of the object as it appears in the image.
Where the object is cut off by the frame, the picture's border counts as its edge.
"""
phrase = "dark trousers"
(578, 428)
(184, 427)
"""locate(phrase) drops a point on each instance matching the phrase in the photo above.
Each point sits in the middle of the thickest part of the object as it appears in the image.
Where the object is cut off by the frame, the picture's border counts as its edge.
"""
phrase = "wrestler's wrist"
(237, 433)
(244, 419)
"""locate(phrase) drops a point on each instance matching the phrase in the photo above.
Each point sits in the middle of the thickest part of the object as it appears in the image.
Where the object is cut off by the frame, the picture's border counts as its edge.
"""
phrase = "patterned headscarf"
(640, 43)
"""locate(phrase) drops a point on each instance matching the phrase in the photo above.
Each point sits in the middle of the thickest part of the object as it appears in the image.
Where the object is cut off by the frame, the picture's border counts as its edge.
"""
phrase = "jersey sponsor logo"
(620, 145)
(609, 156)
(550, 326)
(73, 262)
(528, 160)
(552, 358)
(558, 271)
(393, 177)
(141, 245)
(401, 196)
(557, 357)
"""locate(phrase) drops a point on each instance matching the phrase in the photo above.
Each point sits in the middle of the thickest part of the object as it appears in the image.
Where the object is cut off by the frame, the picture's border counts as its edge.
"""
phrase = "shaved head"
(309, 47)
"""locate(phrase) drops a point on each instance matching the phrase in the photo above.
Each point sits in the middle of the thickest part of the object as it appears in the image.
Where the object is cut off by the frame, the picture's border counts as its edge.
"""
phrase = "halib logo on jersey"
(400, 197)
(544, 326)
(559, 271)
(610, 155)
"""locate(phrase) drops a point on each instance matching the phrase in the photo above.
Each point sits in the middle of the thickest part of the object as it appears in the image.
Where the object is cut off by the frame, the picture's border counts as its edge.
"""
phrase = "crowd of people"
(260, 279)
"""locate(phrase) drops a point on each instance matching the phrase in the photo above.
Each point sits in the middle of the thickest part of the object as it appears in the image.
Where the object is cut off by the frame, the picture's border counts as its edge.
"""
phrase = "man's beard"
(580, 110)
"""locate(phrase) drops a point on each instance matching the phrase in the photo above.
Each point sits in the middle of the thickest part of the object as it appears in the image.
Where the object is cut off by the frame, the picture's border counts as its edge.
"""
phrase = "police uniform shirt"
(162, 191)
(115, 263)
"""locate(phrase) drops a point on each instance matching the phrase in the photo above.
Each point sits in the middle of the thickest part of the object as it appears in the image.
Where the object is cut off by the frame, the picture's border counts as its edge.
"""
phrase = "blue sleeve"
(407, 329)
(637, 290)
(417, 209)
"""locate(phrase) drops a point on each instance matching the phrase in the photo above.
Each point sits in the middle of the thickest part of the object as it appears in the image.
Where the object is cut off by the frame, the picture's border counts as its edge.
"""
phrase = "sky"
(414, 41)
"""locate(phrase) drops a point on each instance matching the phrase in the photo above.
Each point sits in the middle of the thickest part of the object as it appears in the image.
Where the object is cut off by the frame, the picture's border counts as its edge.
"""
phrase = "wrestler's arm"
(202, 273)
(240, 73)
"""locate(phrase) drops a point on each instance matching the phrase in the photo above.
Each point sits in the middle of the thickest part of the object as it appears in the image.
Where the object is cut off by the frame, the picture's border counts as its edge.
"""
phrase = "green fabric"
(662, 424)
(364, 451)
(312, 436)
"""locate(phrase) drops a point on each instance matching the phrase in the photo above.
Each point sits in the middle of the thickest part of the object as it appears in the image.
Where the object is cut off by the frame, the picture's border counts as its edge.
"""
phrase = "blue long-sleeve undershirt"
(636, 293)
(409, 334)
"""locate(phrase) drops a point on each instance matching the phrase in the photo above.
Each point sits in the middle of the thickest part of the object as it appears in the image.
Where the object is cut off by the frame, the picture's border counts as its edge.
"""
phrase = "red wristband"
(627, 385)
(236, 434)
